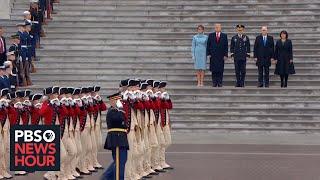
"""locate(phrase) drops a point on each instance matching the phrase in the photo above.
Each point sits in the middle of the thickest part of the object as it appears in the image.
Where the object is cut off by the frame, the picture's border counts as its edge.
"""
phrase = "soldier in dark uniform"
(116, 140)
(9, 72)
(23, 46)
(15, 40)
(240, 50)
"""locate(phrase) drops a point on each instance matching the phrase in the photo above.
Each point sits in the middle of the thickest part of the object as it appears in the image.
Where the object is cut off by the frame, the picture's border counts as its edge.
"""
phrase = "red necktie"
(218, 37)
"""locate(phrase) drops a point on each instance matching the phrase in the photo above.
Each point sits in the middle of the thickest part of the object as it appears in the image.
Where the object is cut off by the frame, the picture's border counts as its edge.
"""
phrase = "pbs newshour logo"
(35, 148)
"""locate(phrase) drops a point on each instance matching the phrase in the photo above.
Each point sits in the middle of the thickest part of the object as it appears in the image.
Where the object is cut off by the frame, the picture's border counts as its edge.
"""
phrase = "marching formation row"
(138, 120)
(144, 106)
(76, 110)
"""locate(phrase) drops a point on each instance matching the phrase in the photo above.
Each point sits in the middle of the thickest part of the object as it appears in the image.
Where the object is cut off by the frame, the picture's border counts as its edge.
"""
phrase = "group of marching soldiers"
(146, 125)
(144, 135)
(76, 110)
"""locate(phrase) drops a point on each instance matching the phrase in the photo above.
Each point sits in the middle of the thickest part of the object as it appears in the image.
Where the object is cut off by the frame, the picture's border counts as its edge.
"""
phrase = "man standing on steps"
(240, 50)
(263, 55)
(3, 47)
(217, 50)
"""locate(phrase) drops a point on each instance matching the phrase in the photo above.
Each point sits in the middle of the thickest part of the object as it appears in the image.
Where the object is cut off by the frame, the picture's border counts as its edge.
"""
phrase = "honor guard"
(116, 140)
(166, 105)
(14, 48)
(240, 50)
(23, 46)
(98, 106)
(35, 99)
(4, 135)
(51, 113)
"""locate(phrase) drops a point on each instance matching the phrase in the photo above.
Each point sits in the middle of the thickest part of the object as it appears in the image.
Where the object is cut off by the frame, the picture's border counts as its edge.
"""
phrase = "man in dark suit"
(263, 55)
(240, 50)
(217, 50)
(3, 47)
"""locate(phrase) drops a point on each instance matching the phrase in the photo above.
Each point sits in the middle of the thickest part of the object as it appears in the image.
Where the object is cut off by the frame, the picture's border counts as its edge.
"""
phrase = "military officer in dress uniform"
(240, 50)
(116, 140)
(23, 46)
(15, 40)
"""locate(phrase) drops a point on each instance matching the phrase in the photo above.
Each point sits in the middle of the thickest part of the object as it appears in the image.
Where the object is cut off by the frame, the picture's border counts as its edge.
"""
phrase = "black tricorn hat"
(63, 90)
(4, 92)
(70, 90)
(96, 88)
(76, 91)
(162, 84)
(35, 97)
(143, 86)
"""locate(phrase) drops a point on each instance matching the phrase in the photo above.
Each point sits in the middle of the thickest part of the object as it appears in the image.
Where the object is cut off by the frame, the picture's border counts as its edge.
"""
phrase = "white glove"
(119, 104)
(98, 98)
(6, 102)
(125, 95)
(85, 100)
(64, 101)
(90, 99)
(70, 101)
(38, 105)
(165, 96)
(145, 96)
(157, 94)
(27, 103)
(150, 93)
(55, 102)
(18, 105)
(138, 94)
(132, 96)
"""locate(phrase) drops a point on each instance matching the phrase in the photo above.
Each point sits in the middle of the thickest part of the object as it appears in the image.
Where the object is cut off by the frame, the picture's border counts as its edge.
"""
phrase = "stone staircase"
(102, 41)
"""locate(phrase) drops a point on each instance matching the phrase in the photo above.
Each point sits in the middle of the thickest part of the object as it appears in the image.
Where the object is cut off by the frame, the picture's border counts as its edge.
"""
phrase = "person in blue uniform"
(15, 40)
(4, 80)
(116, 140)
(240, 50)
(263, 55)
(23, 46)
(199, 51)
(217, 50)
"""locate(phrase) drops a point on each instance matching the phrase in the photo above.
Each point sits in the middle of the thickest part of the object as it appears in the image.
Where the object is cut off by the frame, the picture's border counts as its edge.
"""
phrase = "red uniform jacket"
(76, 114)
(35, 115)
(49, 112)
(83, 117)
(63, 115)
(127, 113)
(25, 115)
(3, 115)
(14, 115)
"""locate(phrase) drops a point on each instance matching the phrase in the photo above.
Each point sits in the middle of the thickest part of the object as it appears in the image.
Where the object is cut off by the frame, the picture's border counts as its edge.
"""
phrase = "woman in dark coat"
(284, 58)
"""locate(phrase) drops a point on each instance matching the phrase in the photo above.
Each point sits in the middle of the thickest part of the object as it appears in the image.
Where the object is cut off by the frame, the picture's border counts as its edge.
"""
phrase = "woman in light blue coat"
(199, 53)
